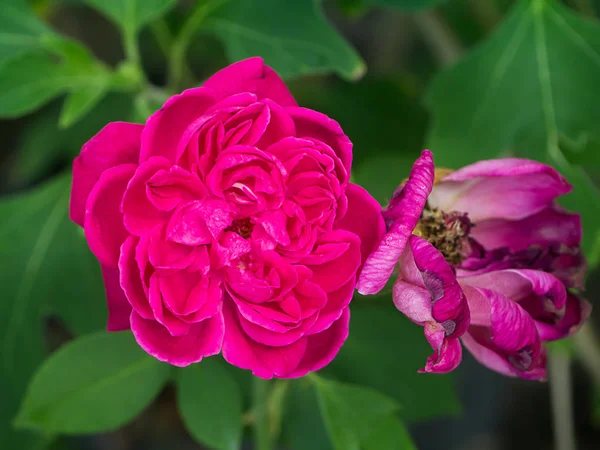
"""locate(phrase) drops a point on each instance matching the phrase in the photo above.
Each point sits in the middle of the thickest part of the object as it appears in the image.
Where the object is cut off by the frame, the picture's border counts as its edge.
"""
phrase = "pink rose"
(227, 223)
(486, 257)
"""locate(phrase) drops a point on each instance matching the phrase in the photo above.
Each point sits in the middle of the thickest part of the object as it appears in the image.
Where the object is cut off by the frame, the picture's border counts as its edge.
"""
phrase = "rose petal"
(544, 228)
(165, 127)
(324, 346)
(117, 143)
(510, 344)
(446, 357)
(139, 213)
(203, 339)
(482, 189)
(522, 284)
(363, 218)
(250, 75)
(264, 361)
(404, 211)
(315, 125)
(131, 278)
(335, 259)
(577, 311)
(104, 230)
(449, 306)
(119, 308)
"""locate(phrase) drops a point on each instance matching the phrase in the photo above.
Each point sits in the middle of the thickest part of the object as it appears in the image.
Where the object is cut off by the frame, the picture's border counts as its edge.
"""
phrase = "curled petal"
(322, 347)
(264, 361)
(448, 303)
(336, 305)
(117, 143)
(540, 293)
(363, 218)
(203, 339)
(166, 126)
(447, 354)
(404, 212)
(317, 126)
(577, 311)
(544, 228)
(510, 344)
(131, 276)
(199, 222)
(139, 213)
(508, 188)
(334, 260)
(104, 230)
(119, 308)
(250, 75)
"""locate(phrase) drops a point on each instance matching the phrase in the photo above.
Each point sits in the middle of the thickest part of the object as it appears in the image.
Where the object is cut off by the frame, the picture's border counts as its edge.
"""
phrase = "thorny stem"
(559, 367)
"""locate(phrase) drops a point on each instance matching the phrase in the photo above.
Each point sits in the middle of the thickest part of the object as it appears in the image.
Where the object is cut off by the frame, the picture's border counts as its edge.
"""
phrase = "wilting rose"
(485, 256)
(227, 223)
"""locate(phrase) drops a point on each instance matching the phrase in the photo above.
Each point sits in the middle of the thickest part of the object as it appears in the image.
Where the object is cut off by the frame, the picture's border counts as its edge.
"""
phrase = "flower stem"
(260, 394)
(559, 366)
(438, 35)
(587, 350)
(177, 64)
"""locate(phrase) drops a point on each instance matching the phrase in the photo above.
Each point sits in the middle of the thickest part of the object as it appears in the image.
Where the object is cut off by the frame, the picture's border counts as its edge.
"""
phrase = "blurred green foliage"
(528, 87)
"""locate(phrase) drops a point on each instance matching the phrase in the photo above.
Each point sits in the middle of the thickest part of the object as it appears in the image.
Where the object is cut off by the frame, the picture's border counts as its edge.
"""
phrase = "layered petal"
(577, 311)
(322, 347)
(540, 293)
(482, 189)
(164, 128)
(104, 230)
(117, 143)
(263, 360)
(335, 259)
(119, 308)
(364, 219)
(250, 75)
(402, 216)
(544, 228)
(428, 293)
(314, 125)
(203, 339)
(507, 340)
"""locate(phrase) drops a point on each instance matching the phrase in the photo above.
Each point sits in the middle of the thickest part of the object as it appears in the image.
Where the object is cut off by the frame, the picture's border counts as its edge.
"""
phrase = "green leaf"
(132, 14)
(31, 80)
(20, 29)
(96, 383)
(389, 433)
(350, 412)
(46, 268)
(42, 145)
(210, 402)
(80, 102)
(292, 36)
(521, 91)
(302, 414)
(384, 339)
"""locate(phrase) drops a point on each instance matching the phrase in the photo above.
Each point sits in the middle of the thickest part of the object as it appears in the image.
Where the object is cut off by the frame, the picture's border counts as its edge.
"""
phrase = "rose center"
(447, 232)
(243, 227)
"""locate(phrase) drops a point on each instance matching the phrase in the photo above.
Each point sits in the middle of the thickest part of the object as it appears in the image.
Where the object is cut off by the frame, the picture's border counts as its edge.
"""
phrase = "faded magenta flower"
(485, 256)
(227, 223)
